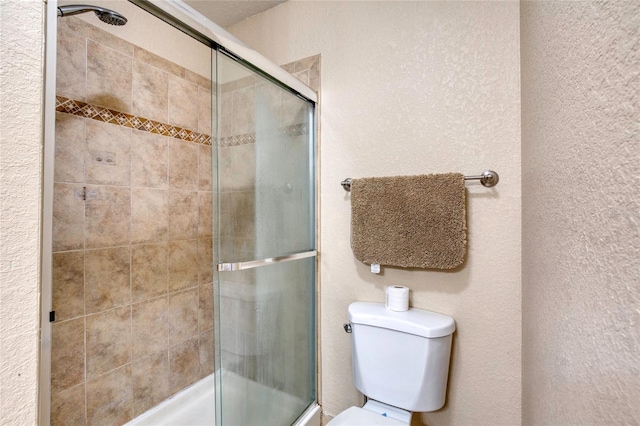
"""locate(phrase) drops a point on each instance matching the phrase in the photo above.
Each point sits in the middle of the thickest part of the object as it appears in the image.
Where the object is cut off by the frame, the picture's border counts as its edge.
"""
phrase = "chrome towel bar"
(488, 178)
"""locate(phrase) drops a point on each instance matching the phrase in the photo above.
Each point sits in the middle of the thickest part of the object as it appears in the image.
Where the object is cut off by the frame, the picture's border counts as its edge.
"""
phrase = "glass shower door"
(266, 234)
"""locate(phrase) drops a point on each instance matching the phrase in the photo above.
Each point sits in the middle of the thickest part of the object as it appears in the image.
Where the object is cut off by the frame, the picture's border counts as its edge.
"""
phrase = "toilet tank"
(401, 358)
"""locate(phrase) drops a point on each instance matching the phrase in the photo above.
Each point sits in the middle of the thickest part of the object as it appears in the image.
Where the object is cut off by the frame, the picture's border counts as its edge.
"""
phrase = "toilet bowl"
(400, 363)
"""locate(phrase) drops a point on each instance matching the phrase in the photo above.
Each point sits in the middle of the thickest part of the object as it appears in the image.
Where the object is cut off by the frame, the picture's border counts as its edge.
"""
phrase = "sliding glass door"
(265, 320)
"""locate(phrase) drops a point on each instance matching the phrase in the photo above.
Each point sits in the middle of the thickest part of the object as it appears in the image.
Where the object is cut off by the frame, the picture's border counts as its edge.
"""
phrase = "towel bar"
(488, 178)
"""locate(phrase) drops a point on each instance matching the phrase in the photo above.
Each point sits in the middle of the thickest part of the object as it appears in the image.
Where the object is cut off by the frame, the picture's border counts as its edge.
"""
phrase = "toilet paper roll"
(397, 298)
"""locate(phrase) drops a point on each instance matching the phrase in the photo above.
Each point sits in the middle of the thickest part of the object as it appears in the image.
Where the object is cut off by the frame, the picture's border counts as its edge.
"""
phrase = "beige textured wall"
(412, 88)
(21, 74)
(581, 204)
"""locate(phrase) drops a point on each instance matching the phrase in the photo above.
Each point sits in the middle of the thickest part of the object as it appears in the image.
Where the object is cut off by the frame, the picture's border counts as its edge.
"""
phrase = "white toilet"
(400, 363)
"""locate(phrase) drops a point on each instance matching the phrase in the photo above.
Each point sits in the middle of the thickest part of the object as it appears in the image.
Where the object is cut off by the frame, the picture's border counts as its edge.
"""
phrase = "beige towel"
(409, 221)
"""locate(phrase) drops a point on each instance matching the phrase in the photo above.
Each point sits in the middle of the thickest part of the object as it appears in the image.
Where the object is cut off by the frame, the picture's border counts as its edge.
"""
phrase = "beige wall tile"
(149, 215)
(67, 354)
(107, 281)
(108, 154)
(159, 62)
(205, 214)
(183, 164)
(204, 82)
(225, 113)
(205, 100)
(84, 29)
(150, 327)
(149, 271)
(183, 311)
(108, 341)
(150, 92)
(205, 260)
(183, 107)
(150, 381)
(68, 284)
(70, 148)
(244, 111)
(108, 77)
(110, 398)
(149, 160)
(205, 308)
(71, 65)
(183, 264)
(107, 216)
(184, 364)
(67, 407)
(206, 353)
(183, 215)
(68, 217)
(206, 173)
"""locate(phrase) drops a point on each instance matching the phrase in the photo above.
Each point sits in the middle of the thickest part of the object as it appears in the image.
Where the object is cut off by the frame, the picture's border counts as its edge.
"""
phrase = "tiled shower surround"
(132, 261)
(133, 220)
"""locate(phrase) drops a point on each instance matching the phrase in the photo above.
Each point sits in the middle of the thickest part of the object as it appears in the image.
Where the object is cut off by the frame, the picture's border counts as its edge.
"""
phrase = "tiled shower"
(135, 232)
(132, 230)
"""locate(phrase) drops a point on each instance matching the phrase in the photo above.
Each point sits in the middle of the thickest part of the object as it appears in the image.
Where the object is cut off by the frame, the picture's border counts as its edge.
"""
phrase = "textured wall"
(581, 204)
(21, 76)
(412, 88)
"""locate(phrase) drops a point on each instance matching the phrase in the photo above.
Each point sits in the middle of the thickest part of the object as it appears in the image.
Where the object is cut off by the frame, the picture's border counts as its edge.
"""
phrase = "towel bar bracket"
(488, 178)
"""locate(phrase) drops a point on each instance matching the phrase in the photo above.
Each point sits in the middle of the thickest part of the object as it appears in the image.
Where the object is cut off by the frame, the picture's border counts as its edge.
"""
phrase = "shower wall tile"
(183, 161)
(110, 398)
(199, 80)
(108, 77)
(143, 55)
(183, 311)
(108, 340)
(205, 214)
(71, 64)
(183, 264)
(70, 147)
(204, 100)
(108, 154)
(107, 216)
(149, 160)
(182, 94)
(183, 215)
(150, 88)
(149, 271)
(68, 217)
(184, 364)
(244, 111)
(67, 407)
(67, 354)
(150, 325)
(205, 261)
(149, 215)
(205, 308)
(107, 278)
(206, 353)
(86, 30)
(68, 284)
(150, 381)
(206, 173)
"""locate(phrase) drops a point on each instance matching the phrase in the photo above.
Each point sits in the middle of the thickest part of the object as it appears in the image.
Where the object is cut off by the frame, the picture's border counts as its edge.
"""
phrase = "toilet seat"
(356, 416)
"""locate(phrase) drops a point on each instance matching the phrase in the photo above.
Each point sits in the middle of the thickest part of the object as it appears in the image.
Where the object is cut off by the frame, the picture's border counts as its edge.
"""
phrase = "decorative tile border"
(94, 112)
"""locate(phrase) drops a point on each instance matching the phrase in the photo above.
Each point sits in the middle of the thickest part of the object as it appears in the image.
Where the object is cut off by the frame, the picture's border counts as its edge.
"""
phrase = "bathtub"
(195, 405)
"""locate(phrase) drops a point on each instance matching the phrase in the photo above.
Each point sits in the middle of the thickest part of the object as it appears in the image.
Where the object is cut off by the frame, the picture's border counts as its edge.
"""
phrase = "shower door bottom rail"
(240, 266)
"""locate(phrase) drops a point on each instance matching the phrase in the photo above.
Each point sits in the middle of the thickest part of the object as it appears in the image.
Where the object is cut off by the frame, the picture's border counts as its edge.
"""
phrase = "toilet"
(400, 363)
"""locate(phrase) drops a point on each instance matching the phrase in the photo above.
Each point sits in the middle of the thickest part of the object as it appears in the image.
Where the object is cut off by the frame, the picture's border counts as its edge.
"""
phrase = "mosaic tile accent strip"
(248, 138)
(94, 112)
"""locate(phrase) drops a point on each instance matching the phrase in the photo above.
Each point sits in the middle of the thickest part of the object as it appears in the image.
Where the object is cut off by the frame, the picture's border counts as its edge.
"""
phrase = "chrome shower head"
(109, 16)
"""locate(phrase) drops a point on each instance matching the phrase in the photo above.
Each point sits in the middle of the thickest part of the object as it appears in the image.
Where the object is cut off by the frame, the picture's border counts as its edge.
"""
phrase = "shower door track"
(240, 266)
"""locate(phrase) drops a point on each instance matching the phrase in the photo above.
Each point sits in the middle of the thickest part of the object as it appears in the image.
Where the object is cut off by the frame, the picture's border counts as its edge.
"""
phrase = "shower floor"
(195, 405)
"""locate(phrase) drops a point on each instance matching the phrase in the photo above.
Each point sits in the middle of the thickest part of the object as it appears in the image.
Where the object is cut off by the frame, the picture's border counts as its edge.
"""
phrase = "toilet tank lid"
(414, 321)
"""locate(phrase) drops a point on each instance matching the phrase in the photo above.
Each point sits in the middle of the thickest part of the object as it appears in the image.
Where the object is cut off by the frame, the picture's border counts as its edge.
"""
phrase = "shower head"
(109, 16)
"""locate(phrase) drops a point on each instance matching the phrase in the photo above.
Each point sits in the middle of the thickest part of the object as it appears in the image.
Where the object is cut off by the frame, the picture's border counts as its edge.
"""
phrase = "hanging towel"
(409, 221)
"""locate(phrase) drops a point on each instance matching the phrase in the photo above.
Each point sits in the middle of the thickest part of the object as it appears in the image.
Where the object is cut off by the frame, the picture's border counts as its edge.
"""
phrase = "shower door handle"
(240, 266)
